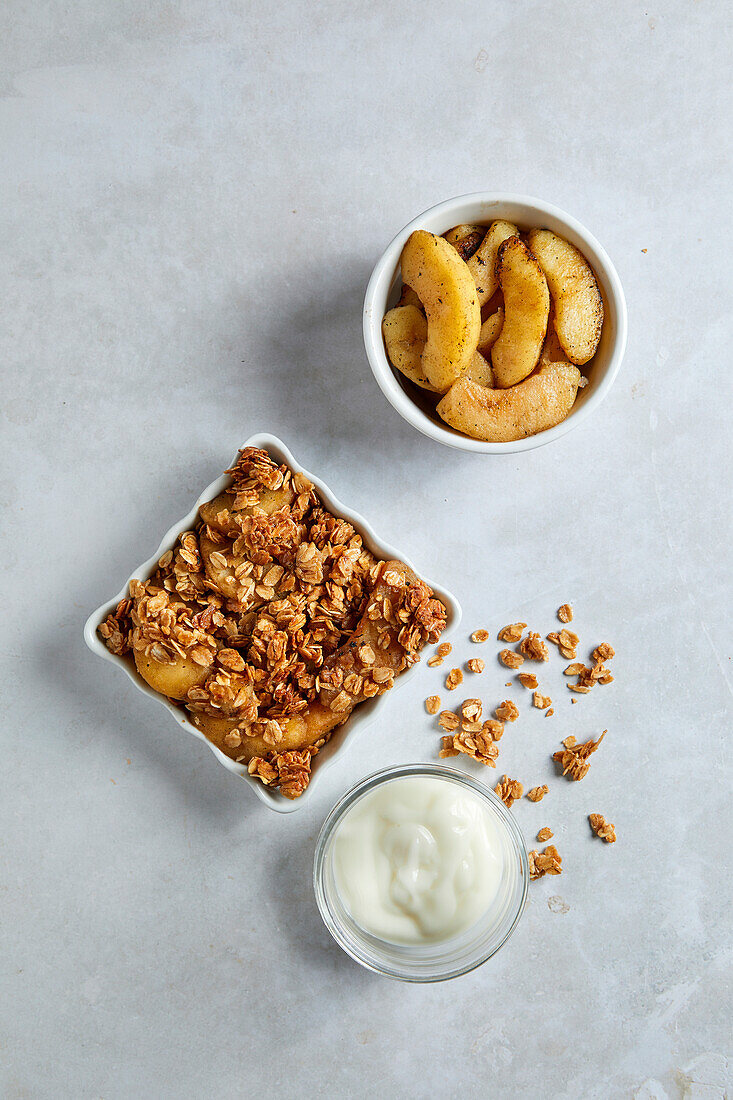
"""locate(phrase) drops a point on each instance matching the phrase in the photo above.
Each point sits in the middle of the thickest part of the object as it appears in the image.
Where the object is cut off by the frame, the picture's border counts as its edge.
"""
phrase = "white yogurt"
(418, 860)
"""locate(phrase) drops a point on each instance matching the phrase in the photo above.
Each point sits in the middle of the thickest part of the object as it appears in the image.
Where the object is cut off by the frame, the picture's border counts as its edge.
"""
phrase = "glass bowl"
(429, 962)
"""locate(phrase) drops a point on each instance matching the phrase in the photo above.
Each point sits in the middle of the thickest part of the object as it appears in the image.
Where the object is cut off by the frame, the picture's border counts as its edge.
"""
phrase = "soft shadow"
(318, 379)
(292, 895)
(115, 711)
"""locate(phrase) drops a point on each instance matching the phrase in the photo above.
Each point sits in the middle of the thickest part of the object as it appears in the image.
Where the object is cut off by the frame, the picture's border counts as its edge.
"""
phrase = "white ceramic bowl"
(361, 716)
(484, 207)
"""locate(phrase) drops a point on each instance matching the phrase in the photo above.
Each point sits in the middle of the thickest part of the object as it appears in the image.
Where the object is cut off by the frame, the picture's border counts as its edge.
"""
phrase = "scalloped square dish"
(362, 714)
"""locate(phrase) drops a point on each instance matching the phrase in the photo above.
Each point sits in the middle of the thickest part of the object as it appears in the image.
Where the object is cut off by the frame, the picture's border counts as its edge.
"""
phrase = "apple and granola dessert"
(271, 621)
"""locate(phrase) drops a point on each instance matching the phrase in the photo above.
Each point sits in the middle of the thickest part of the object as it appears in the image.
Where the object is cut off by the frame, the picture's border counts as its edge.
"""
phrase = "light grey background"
(191, 200)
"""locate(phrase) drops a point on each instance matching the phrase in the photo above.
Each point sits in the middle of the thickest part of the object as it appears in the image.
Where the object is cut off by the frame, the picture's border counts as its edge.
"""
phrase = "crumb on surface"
(508, 790)
(574, 757)
(602, 828)
(512, 632)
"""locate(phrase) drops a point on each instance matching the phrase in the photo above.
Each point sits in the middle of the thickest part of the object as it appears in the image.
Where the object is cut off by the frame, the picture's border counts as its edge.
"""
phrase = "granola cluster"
(574, 757)
(602, 828)
(544, 863)
(271, 621)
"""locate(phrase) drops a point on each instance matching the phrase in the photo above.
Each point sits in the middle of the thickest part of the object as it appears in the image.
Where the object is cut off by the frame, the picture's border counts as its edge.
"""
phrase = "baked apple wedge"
(501, 416)
(575, 295)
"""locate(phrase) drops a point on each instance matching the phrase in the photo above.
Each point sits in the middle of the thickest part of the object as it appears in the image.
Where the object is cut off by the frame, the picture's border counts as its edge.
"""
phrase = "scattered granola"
(528, 680)
(471, 709)
(475, 743)
(602, 828)
(542, 702)
(566, 641)
(508, 790)
(476, 665)
(549, 713)
(449, 720)
(447, 749)
(544, 863)
(444, 649)
(435, 661)
(270, 621)
(545, 834)
(453, 679)
(432, 704)
(537, 793)
(575, 669)
(511, 659)
(574, 757)
(565, 613)
(480, 636)
(534, 648)
(493, 728)
(511, 633)
(507, 711)
(597, 673)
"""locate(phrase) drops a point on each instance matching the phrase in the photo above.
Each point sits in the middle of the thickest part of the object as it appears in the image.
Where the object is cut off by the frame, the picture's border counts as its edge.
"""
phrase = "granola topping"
(270, 609)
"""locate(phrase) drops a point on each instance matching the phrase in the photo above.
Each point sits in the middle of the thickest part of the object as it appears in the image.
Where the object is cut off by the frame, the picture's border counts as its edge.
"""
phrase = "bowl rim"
(363, 715)
(388, 264)
(344, 804)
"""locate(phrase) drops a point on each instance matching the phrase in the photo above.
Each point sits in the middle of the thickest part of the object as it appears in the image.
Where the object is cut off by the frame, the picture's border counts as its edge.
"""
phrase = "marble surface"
(192, 198)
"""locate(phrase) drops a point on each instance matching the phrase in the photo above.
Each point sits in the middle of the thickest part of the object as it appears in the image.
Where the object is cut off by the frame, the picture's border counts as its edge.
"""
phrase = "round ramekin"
(528, 213)
(430, 962)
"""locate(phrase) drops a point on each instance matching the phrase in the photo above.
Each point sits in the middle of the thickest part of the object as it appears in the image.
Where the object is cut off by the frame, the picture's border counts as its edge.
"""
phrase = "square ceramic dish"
(361, 716)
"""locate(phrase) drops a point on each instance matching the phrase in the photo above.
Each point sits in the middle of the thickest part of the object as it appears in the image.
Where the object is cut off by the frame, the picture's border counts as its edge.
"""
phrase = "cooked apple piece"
(479, 370)
(517, 348)
(405, 331)
(297, 732)
(490, 329)
(444, 285)
(552, 351)
(173, 680)
(500, 416)
(482, 264)
(465, 239)
(215, 513)
(408, 297)
(575, 295)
